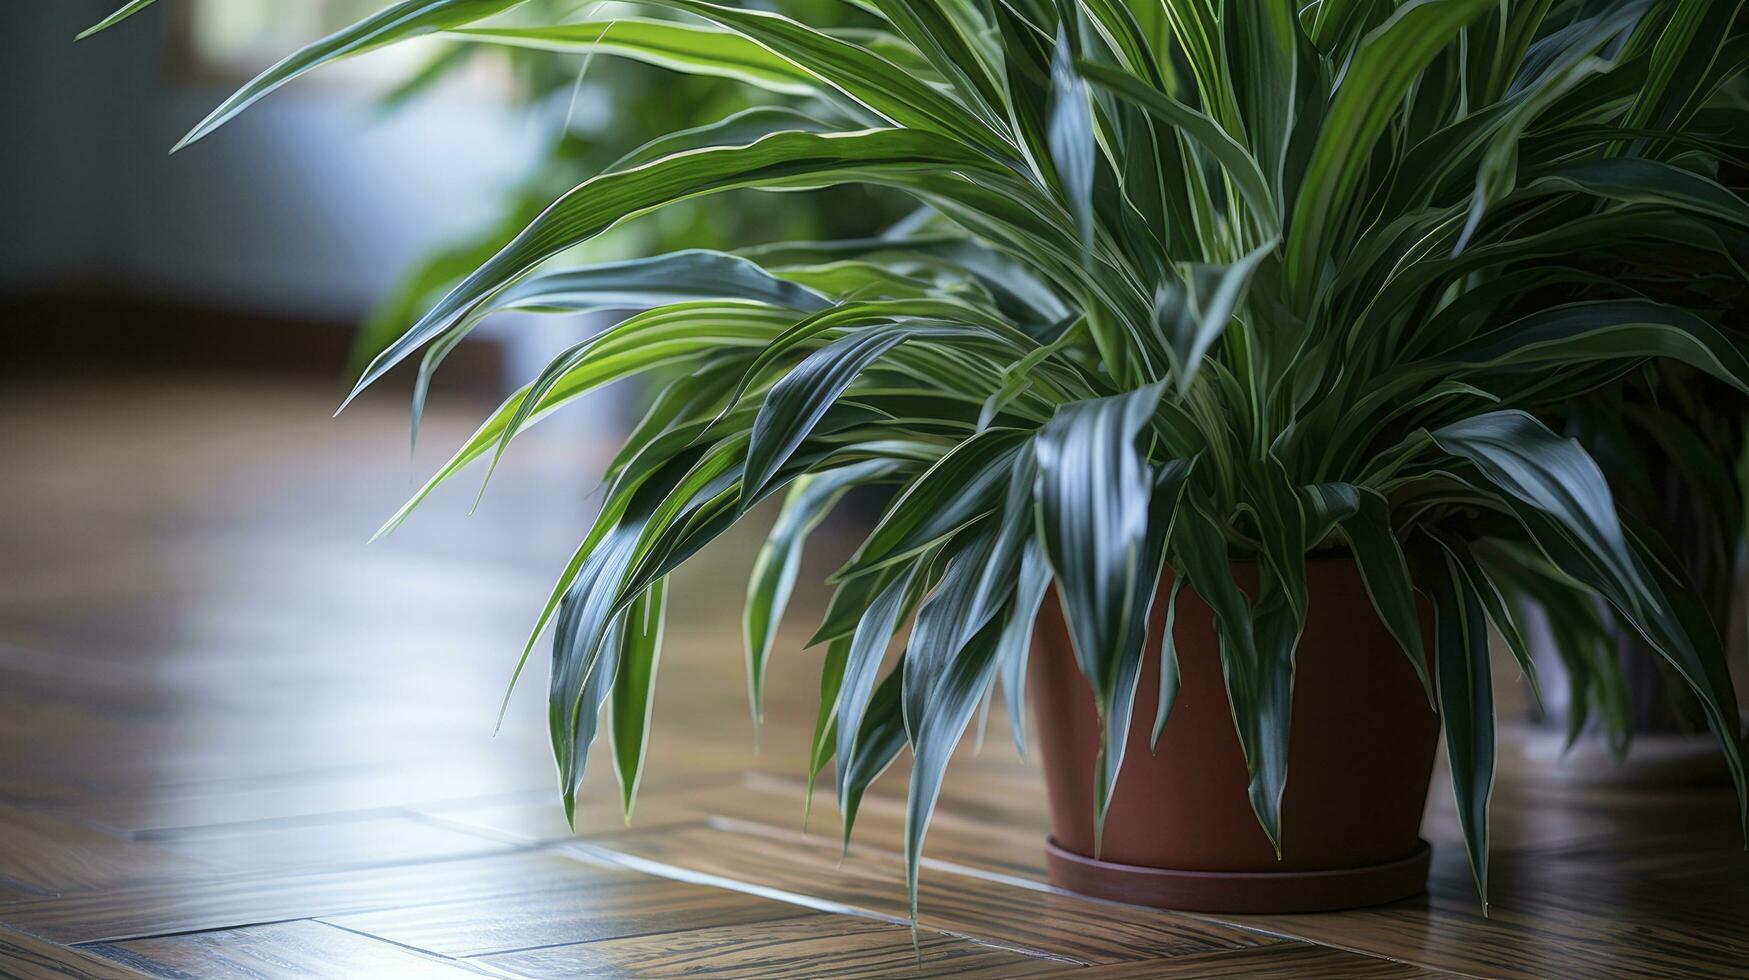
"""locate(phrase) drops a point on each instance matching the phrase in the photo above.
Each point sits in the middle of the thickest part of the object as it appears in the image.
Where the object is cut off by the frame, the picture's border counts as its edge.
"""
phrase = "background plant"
(1206, 281)
(626, 104)
(1670, 442)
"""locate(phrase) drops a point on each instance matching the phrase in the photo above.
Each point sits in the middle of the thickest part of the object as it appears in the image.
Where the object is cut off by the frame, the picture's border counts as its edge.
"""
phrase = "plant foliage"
(1198, 281)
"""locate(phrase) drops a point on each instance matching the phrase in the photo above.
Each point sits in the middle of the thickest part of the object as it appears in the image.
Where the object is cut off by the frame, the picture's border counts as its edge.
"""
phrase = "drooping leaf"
(826, 718)
(802, 396)
(633, 695)
(1466, 703)
(1169, 674)
(1606, 330)
(878, 743)
(1566, 507)
(1384, 570)
(1104, 542)
(949, 665)
(1253, 667)
(782, 159)
(779, 561)
(868, 645)
(1015, 643)
(962, 487)
(1070, 137)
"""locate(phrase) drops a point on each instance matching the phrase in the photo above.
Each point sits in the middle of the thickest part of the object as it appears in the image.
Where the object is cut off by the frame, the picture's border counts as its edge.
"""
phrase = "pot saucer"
(1240, 892)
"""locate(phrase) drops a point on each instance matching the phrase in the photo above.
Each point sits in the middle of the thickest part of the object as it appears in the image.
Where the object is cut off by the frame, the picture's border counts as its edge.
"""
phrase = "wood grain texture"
(290, 950)
(813, 946)
(1274, 962)
(332, 843)
(44, 851)
(214, 901)
(25, 957)
(873, 883)
(608, 906)
(222, 718)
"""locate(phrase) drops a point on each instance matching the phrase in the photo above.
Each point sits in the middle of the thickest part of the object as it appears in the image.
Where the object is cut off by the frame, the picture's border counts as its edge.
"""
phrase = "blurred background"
(332, 212)
(203, 666)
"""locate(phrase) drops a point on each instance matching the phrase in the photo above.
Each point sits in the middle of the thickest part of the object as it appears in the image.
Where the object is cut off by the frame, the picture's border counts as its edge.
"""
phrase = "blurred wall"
(307, 205)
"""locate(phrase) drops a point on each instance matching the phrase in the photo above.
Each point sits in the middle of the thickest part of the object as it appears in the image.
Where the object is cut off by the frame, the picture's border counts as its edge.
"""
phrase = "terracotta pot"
(1180, 832)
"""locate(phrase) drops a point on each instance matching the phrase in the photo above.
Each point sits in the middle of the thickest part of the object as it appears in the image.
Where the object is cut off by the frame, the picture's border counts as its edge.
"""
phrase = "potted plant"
(1221, 316)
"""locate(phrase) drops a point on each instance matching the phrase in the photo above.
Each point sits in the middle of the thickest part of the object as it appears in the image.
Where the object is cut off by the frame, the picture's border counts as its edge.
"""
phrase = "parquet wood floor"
(237, 741)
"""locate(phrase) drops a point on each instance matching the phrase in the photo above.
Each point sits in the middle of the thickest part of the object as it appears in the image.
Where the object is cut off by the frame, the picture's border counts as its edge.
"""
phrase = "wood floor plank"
(358, 791)
(222, 901)
(1544, 923)
(332, 843)
(1280, 961)
(873, 882)
(610, 906)
(49, 852)
(25, 957)
(291, 950)
(955, 836)
(539, 819)
(815, 945)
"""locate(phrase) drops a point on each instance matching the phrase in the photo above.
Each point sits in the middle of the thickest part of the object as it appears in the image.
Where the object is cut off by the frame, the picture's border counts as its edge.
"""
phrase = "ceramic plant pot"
(1180, 832)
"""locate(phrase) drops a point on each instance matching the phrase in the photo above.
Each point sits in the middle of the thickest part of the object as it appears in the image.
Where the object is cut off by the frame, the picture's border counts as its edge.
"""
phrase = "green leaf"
(1384, 570)
(1169, 674)
(779, 160)
(407, 19)
(1264, 50)
(1015, 644)
(738, 129)
(1519, 455)
(691, 48)
(801, 397)
(868, 645)
(878, 743)
(1633, 181)
(1466, 703)
(1238, 164)
(963, 486)
(1384, 67)
(949, 665)
(1605, 330)
(606, 582)
(693, 275)
(1253, 669)
(778, 562)
(634, 687)
(1564, 503)
(1069, 136)
(1095, 491)
(127, 10)
(882, 86)
(1497, 173)
(1192, 314)
(825, 719)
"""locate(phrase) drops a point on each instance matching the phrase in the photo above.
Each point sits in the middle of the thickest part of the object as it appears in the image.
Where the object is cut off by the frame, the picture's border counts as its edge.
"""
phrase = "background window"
(231, 41)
